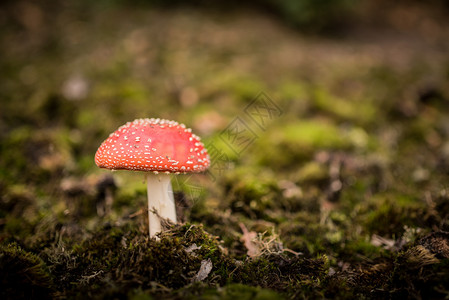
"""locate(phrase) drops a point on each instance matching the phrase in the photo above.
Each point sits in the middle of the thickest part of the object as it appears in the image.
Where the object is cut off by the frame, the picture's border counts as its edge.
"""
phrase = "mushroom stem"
(161, 204)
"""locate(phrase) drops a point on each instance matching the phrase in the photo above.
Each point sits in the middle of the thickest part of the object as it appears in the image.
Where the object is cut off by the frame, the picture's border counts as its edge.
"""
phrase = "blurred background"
(362, 76)
(358, 144)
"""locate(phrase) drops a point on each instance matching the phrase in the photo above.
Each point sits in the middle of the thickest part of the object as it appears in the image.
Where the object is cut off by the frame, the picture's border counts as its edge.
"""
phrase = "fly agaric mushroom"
(158, 147)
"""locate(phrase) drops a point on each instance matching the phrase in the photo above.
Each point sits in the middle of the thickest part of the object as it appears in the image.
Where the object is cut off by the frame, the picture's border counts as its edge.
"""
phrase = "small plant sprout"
(158, 147)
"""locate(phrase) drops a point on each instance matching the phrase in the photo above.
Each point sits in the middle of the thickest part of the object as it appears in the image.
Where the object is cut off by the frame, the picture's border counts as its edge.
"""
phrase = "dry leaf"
(192, 248)
(248, 239)
(206, 267)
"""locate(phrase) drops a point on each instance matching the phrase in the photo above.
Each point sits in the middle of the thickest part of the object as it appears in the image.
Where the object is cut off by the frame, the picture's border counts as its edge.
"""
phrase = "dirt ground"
(329, 152)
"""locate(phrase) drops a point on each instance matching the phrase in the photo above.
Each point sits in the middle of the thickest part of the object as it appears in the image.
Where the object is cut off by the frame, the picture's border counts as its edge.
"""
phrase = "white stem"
(160, 199)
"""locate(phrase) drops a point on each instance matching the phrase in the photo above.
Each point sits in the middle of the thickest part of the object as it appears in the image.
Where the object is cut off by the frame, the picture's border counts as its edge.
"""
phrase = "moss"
(336, 287)
(359, 111)
(243, 87)
(16, 227)
(391, 215)
(239, 291)
(23, 275)
(414, 271)
(251, 195)
(14, 162)
(272, 270)
(140, 295)
(281, 144)
(131, 260)
(125, 256)
(362, 247)
(373, 280)
(311, 234)
(314, 135)
(312, 172)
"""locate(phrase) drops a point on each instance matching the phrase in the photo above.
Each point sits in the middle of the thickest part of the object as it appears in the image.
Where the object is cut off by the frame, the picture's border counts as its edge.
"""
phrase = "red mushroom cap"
(156, 145)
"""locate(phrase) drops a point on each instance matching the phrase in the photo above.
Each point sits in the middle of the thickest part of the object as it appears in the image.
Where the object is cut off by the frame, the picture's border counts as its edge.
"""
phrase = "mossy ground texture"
(337, 185)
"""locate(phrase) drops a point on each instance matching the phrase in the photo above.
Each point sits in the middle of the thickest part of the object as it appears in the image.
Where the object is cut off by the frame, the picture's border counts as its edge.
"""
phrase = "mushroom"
(158, 147)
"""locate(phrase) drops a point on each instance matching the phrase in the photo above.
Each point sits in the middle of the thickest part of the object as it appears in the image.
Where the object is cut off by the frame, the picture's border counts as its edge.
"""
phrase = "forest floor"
(329, 154)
